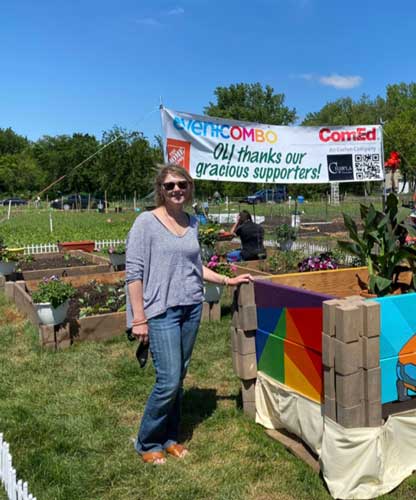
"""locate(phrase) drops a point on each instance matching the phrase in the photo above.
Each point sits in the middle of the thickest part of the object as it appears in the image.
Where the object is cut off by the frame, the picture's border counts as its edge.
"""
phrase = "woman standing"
(165, 276)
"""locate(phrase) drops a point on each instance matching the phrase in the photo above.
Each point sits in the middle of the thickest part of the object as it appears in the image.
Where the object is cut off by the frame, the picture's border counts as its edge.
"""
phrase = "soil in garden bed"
(97, 298)
(52, 262)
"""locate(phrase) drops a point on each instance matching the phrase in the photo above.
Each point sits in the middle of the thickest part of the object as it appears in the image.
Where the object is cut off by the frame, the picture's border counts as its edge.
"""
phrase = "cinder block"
(348, 357)
(373, 414)
(371, 352)
(330, 408)
(372, 384)
(246, 343)
(246, 366)
(46, 334)
(328, 350)
(63, 337)
(354, 298)
(235, 320)
(246, 294)
(351, 417)
(349, 389)
(249, 409)
(247, 317)
(348, 323)
(211, 311)
(371, 316)
(9, 289)
(248, 390)
(329, 383)
(328, 316)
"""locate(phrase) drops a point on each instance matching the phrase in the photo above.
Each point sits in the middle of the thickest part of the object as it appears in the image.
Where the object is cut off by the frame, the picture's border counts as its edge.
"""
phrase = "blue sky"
(85, 66)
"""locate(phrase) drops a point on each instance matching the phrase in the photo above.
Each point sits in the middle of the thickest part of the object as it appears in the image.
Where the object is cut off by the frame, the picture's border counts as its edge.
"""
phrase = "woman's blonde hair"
(176, 170)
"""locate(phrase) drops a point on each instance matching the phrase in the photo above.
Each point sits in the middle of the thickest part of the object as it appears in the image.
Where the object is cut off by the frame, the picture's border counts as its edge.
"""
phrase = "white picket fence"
(15, 489)
(53, 247)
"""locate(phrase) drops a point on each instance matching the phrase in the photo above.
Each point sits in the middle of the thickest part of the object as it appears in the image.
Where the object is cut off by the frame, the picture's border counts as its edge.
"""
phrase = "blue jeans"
(172, 336)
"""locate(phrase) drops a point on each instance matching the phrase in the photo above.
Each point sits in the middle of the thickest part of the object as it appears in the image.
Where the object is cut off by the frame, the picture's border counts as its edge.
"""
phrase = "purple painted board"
(270, 294)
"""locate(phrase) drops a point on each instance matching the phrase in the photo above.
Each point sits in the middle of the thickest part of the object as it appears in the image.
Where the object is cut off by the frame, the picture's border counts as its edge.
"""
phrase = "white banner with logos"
(229, 150)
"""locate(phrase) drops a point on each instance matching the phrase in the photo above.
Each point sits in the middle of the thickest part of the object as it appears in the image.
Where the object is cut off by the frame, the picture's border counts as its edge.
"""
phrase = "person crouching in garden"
(165, 275)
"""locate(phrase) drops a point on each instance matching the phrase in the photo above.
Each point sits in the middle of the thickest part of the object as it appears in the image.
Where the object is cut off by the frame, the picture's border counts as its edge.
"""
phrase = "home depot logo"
(178, 152)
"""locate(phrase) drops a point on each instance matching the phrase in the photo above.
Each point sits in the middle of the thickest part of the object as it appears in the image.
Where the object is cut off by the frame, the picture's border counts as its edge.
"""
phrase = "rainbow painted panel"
(397, 347)
(289, 336)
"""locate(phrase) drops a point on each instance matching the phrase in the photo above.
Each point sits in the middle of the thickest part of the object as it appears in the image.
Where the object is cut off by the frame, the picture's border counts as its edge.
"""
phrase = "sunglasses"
(169, 186)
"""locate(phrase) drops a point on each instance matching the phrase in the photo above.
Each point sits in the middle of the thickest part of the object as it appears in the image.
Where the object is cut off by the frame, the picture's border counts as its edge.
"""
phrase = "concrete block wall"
(243, 347)
(351, 362)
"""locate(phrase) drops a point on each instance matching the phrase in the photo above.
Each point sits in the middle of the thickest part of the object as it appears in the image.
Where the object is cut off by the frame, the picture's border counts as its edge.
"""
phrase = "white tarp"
(228, 150)
(359, 463)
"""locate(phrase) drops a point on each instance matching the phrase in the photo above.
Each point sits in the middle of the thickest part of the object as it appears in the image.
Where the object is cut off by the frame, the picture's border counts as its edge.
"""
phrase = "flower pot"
(212, 292)
(286, 245)
(117, 259)
(86, 245)
(49, 315)
(7, 267)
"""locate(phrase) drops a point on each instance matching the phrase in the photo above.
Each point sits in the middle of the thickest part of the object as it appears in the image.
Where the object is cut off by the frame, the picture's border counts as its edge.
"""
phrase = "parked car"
(277, 194)
(74, 201)
(14, 201)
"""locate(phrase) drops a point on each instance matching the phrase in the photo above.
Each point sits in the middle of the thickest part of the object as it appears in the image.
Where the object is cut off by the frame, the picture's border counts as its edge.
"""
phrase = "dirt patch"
(97, 298)
(52, 262)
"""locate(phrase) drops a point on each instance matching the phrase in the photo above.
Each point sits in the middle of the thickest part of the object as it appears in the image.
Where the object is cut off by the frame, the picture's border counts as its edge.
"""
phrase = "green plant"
(282, 262)
(223, 268)
(53, 290)
(8, 254)
(285, 232)
(381, 245)
(207, 235)
(118, 249)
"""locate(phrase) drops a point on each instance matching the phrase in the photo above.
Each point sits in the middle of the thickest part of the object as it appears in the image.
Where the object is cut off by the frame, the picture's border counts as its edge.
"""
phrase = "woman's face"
(176, 189)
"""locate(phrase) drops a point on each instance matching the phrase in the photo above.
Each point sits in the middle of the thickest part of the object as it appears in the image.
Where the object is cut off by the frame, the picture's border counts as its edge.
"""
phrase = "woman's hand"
(243, 278)
(141, 332)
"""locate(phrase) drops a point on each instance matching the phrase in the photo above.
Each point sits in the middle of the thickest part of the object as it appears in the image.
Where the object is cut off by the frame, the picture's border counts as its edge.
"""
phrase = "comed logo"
(359, 134)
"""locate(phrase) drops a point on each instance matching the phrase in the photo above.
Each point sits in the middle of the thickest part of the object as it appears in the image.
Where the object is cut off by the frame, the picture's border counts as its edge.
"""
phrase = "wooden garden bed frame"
(98, 264)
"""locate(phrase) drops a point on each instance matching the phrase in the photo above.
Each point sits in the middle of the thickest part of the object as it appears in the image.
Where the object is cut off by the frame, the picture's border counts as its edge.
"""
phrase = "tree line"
(127, 166)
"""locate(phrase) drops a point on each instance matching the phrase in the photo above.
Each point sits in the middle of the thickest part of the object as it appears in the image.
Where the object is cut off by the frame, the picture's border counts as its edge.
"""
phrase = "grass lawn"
(70, 418)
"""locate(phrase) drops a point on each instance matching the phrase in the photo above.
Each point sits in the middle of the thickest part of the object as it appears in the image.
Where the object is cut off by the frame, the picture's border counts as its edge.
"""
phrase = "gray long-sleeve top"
(169, 266)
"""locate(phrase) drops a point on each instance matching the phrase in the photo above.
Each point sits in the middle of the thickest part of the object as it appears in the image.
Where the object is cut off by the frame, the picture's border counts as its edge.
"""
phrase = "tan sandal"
(154, 457)
(177, 450)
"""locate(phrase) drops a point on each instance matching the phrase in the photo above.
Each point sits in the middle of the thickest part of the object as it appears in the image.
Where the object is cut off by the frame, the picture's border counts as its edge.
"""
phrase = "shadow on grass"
(198, 405)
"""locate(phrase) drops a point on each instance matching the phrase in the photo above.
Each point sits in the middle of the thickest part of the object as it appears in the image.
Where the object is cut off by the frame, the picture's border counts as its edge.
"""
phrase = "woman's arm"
(235, 225)
(135, 290)
(219, 279)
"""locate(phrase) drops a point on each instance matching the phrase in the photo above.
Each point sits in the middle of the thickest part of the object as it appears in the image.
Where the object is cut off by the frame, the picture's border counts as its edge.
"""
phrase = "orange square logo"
(178, 152)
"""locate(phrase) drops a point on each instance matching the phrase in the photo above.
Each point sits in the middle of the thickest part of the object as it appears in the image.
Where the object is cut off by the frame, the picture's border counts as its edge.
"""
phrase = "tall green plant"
(381, 244)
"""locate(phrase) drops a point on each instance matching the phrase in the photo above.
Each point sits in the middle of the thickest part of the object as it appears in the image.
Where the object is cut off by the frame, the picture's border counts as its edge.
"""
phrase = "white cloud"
(148, 21)
(177, 11)
(341, 82)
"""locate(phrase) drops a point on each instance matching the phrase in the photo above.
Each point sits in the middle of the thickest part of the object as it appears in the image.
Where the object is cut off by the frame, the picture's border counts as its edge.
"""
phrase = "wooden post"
(105, 201)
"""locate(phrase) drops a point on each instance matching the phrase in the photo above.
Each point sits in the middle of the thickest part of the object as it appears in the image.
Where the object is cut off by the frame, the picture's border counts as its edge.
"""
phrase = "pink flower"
(233, 268)
(214, 258)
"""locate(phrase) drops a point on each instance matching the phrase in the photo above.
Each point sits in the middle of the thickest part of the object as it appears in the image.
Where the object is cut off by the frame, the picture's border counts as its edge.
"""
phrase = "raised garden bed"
(73, 263)
(94, 327)
(320, 361)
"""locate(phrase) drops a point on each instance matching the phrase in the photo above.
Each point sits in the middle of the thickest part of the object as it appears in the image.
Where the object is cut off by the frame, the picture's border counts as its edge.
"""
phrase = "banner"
(229, 150)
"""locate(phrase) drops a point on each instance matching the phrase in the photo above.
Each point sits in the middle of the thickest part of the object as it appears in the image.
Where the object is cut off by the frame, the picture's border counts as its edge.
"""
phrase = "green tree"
(250, 102)
(58, 156)
(128, 164)
(20, 175)
(11, 143)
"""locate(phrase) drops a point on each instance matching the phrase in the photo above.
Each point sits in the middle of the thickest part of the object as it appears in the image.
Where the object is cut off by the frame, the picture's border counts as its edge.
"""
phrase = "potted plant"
(51, 300)
(207, 237)
(285, 236)
(9, 258)
(212, 291)
(381, 245)
(117, 254)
